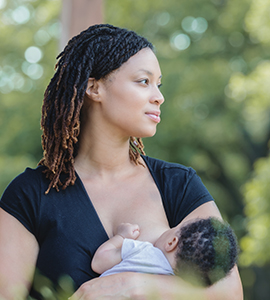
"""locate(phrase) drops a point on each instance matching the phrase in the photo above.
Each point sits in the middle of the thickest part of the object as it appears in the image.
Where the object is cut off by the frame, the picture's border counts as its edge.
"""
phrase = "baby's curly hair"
(94, 53)
(207, 251)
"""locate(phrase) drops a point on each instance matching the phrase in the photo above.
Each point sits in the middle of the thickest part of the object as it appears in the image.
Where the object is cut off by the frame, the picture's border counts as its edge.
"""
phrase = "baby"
(201, 251)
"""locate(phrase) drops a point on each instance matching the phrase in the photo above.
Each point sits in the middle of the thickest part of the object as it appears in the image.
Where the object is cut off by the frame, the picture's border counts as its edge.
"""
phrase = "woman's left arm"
(208, 209)
(139, 286)
(231, 286)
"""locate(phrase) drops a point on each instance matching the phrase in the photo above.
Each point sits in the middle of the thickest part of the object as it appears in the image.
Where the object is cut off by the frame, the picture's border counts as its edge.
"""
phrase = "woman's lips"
(154, 116)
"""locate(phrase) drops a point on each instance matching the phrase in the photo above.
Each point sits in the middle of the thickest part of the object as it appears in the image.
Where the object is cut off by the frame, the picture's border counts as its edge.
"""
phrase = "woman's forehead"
(144, 61)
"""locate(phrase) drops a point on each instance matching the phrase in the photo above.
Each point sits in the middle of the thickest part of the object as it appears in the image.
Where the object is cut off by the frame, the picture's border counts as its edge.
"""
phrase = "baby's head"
(201, 251)
(207, 251)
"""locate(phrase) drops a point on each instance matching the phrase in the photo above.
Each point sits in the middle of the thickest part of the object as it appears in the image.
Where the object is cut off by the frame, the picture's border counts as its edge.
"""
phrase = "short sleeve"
(132, 247)
(181, 189)
(127, 246)
(21, 198)
(187, 196)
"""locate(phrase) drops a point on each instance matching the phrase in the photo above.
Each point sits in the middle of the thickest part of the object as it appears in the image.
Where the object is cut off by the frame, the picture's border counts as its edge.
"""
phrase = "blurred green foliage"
(257, 199)
(29, 31)
(215, 60)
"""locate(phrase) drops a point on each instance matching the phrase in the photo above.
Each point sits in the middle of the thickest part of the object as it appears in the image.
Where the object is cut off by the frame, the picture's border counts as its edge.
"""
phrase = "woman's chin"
(148, 135)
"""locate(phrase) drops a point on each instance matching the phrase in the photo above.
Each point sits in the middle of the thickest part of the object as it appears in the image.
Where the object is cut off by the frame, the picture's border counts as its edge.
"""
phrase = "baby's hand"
(127, 230)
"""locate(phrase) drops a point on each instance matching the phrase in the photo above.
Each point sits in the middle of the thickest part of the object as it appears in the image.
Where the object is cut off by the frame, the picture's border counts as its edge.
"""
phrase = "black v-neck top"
(66, 224)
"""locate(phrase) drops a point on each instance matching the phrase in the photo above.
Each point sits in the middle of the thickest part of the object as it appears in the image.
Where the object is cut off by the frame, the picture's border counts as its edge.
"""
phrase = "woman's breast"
(148, 214)
(135, 201)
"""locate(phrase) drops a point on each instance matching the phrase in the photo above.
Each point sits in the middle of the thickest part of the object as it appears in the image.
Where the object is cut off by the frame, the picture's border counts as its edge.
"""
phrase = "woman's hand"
(135, 286)
(115, 287)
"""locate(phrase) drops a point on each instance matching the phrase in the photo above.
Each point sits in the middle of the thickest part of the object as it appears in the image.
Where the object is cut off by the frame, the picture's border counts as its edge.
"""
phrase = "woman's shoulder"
(29, 179)
(182, 190)
(158, 165)
(30, 175)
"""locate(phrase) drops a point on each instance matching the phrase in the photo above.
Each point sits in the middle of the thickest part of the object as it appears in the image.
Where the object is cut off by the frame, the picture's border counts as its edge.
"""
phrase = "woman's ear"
(92, 90)
(171, 244)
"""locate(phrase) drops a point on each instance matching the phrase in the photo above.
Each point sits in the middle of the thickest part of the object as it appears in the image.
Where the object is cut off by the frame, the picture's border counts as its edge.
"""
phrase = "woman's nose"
(157, 97)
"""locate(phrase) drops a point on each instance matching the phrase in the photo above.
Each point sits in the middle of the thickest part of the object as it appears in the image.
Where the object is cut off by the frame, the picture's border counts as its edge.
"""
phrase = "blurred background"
(215, 60)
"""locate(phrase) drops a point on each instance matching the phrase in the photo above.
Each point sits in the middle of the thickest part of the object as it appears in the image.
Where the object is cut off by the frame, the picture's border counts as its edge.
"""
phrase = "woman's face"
(130, 96)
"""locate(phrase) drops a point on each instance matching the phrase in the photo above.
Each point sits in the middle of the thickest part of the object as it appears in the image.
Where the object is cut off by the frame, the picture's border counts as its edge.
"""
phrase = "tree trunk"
(77, 15)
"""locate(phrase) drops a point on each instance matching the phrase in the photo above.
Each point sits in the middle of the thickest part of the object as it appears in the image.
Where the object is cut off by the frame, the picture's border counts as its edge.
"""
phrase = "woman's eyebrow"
(148, 72)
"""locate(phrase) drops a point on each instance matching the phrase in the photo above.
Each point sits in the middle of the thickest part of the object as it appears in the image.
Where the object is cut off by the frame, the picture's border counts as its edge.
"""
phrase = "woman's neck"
(102, 157)
(103, 150)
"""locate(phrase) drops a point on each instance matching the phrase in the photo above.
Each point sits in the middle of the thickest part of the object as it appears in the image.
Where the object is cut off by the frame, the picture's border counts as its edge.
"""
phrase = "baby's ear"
(92, 90)
(171, 244)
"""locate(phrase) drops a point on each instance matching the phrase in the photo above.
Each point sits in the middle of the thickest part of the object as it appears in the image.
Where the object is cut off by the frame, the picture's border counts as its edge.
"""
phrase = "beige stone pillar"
(77, 15)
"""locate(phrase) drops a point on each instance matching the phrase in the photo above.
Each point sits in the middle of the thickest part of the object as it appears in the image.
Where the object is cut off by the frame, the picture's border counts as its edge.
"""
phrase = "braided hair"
(207, 251)
(95, 53)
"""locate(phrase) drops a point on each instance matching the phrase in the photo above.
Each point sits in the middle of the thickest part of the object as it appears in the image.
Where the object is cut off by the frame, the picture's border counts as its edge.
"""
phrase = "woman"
(103, 98)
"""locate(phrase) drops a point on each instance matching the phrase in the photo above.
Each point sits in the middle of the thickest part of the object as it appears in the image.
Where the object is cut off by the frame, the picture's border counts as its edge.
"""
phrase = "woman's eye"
(144, 81)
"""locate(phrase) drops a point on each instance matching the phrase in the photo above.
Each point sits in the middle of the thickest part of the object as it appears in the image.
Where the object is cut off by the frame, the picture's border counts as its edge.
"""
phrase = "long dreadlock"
(95, 53)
